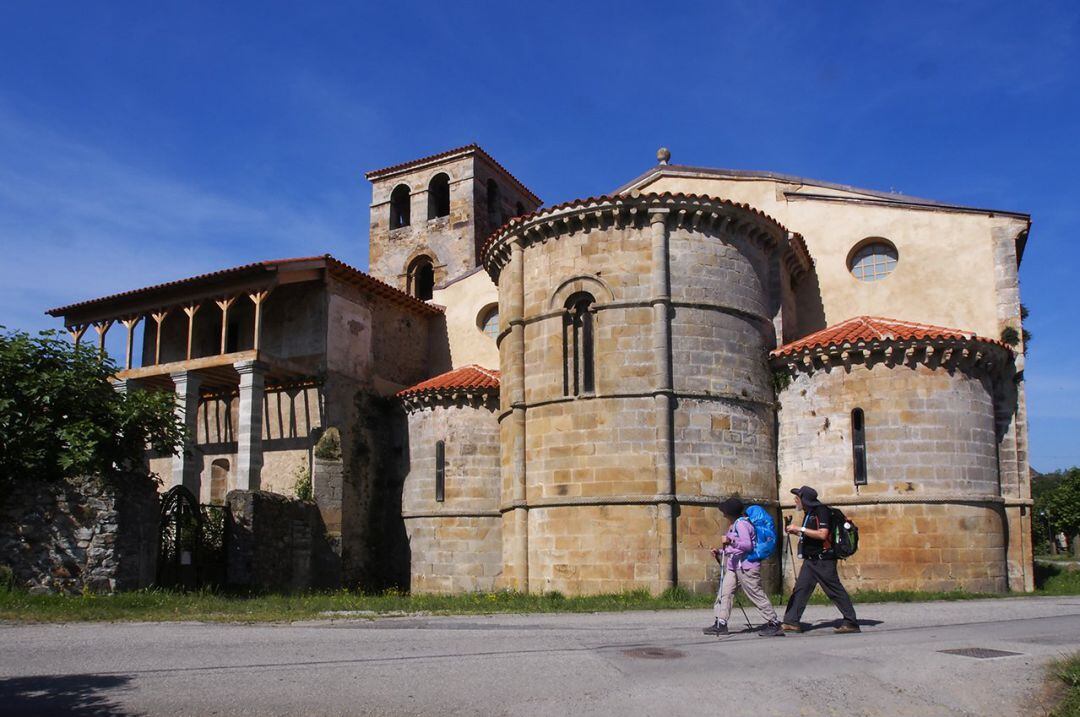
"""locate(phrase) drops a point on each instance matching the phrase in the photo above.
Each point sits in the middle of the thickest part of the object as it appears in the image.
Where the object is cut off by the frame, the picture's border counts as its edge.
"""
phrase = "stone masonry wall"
(597, 519)
(81, 534)
(448, 241)
(931, 515)
(277, 543)
(455, 544)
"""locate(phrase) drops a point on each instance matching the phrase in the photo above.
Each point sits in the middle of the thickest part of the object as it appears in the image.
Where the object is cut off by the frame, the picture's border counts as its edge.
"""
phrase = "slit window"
(858, 445)
(399, 206)
(578, 359)
(440, 471)
(439, 197)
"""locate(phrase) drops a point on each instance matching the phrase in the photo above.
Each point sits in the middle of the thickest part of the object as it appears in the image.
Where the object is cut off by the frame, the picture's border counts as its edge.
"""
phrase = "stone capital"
(250, 366)
(659, 215)
(190, 379)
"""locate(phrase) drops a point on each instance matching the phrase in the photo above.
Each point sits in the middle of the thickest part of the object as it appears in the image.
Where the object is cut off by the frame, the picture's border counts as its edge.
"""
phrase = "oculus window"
(873, 260)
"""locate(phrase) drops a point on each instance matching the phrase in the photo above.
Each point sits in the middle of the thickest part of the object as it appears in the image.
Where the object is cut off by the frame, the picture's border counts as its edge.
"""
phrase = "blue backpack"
(764, 534)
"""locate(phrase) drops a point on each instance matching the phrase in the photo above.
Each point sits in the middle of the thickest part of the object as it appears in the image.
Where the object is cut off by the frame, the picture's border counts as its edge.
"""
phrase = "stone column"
(249, 458)
(663, 394)
(515, 385)
(187, 467)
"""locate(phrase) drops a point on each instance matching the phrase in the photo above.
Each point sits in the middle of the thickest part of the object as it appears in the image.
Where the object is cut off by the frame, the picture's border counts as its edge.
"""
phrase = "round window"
(488, 321)
(873, 260)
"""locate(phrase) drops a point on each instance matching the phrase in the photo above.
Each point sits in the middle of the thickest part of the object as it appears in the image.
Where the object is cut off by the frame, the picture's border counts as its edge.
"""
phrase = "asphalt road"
(610, 664)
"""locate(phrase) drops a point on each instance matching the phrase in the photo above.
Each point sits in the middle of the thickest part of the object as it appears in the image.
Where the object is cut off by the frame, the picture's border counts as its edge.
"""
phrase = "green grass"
(163, 605)
(1060, 558)
(1066, 672)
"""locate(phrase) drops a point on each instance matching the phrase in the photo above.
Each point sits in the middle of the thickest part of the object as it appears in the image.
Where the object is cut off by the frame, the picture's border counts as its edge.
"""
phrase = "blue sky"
(142, 142)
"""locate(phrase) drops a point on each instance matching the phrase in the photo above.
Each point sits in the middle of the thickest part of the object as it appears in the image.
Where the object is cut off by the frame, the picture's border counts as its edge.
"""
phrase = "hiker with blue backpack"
(750, 539)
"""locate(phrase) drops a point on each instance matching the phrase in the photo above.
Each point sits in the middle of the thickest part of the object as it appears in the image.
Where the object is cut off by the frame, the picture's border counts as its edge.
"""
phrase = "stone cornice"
(634, 209)
(946, 353)
(472, 397)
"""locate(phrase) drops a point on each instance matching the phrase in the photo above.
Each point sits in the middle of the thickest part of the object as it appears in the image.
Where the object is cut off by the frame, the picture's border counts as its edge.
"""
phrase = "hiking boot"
(847, 626)
(788, 627)
(717, 628)
(772, 629)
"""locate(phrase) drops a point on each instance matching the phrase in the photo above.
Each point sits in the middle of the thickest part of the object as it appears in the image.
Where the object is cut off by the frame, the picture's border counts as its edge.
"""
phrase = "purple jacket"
(741, 534)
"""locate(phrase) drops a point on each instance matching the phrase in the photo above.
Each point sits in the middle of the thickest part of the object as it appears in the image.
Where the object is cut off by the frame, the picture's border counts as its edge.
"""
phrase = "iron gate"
(194, 542)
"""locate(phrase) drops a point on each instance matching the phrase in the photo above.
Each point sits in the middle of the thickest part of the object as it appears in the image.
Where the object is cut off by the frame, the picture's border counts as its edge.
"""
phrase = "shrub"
(302, 484)
(61, 417)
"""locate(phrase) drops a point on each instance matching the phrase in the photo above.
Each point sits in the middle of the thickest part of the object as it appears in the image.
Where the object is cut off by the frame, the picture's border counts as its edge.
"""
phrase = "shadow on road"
(836, 623)
(61, 695)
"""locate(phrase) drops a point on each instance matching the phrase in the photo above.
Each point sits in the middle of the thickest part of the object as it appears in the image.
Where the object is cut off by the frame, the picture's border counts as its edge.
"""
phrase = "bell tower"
(430, 216)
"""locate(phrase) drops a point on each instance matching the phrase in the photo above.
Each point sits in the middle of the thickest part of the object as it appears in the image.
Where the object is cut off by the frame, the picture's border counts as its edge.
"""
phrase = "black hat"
(807, 495)
(732, 507)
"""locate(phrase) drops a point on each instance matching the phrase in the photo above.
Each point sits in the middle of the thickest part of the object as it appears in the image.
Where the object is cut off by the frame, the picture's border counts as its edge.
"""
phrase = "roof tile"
(468, 148)
(340, 268)
(471, 376)
(868, 329)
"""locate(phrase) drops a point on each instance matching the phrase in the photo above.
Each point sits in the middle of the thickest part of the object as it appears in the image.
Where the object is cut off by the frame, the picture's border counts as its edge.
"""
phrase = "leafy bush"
(329, 446)
(60, 416)
(302, 484)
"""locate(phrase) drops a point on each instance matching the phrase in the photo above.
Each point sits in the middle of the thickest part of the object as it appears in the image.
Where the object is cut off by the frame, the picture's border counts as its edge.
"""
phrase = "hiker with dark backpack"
(751, 539)
(822, 539)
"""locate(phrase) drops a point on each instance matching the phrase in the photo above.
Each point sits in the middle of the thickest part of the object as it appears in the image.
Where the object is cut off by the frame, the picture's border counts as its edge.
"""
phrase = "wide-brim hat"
(807, 495)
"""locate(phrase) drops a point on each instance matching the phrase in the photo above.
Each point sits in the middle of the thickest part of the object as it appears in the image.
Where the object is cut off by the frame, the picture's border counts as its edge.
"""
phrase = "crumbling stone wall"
(277, 543)
(81, 534)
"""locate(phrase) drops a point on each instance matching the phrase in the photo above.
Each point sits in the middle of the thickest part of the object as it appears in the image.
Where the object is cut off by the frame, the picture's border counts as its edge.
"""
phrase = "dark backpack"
(843, 533)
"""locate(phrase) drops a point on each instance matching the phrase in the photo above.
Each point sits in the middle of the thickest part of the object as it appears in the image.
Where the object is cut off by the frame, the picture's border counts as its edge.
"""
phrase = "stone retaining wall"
(81, 534)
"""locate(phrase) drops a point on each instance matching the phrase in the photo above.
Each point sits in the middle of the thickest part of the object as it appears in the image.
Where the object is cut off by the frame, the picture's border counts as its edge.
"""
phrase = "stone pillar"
(665, 463)
(515, 385)
(249, 456)
(186, 466)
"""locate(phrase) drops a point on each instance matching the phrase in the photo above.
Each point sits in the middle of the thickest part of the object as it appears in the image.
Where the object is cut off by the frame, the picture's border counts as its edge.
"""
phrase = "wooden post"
(258, 297)
(159, 316)
(224, 305)
(190, 310)
(130, 323)
(77, 332)
(102, 328)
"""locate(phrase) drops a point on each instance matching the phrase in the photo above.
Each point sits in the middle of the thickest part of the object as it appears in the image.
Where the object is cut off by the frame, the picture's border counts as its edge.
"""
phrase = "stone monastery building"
(558, 397)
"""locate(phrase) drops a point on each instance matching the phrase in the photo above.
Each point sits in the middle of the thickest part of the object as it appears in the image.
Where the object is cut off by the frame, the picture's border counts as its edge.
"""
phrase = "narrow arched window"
(421, 277)
(440, 471)
(438, 198)
(494, 209)
(399, 206)
(578, 371)
(858, 445)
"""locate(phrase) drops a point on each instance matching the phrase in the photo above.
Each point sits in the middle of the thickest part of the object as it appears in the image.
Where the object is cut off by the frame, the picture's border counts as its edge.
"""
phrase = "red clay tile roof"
(871, 329)
(471, 376)
(335, 266)
(469, 148)
(800, 244)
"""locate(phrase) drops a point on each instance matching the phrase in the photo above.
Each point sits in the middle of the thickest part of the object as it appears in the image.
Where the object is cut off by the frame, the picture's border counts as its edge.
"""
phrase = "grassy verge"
(1065, 673)
(161, 605)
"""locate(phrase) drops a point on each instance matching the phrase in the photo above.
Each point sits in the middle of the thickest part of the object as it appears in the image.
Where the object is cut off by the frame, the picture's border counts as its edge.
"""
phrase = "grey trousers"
(750, 582)
(823, 573)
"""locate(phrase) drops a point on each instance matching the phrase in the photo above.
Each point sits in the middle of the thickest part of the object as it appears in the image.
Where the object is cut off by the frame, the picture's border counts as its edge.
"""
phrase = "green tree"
(60, 416)
(1058, 496)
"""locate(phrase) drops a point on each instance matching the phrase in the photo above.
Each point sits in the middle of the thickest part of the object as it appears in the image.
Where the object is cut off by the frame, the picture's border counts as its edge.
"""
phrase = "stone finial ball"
(663, 155)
